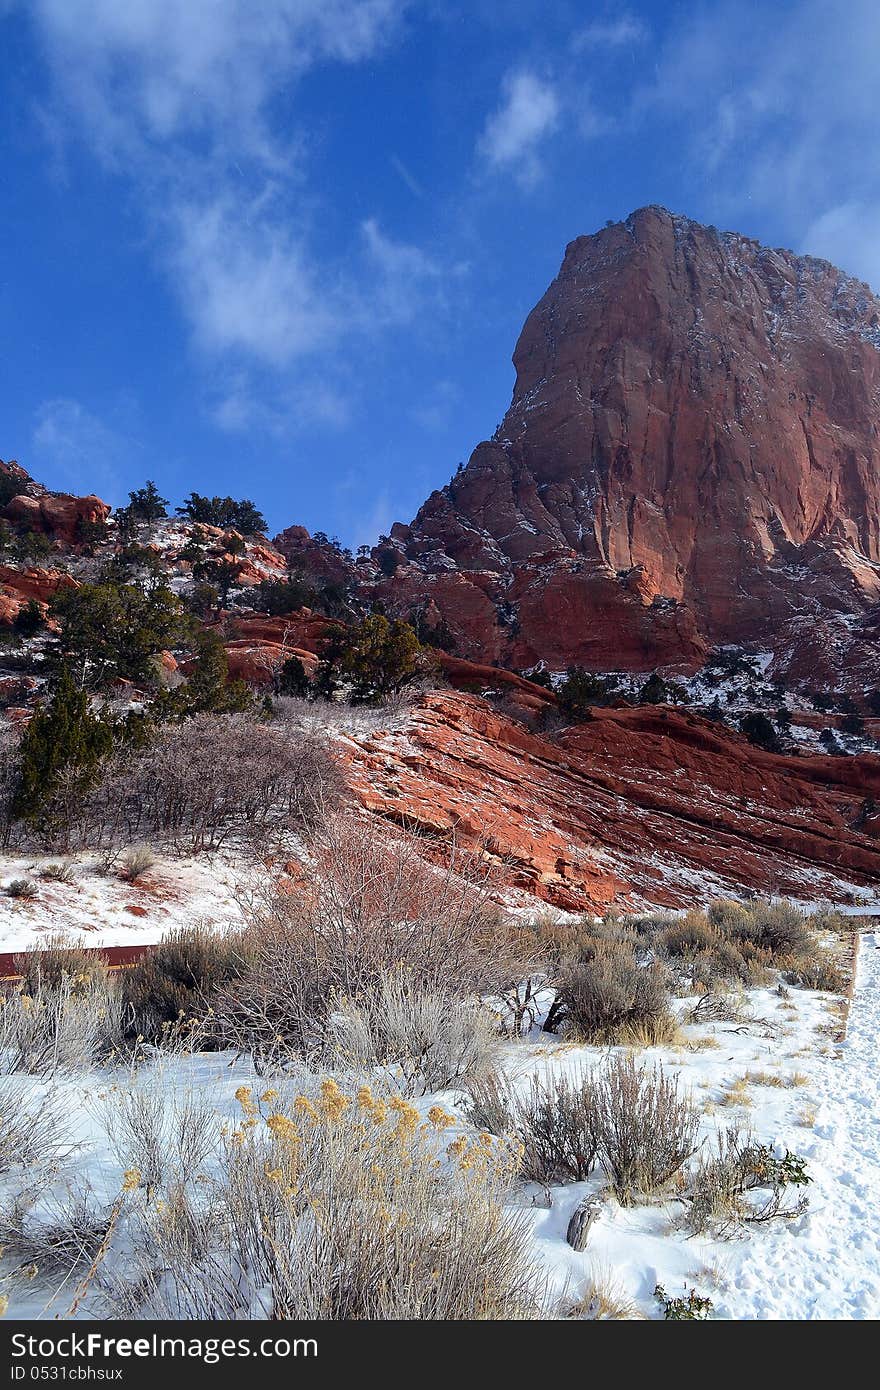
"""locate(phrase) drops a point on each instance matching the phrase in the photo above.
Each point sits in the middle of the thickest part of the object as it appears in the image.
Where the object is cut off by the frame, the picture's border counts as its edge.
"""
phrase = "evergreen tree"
(292, 678)
(758, 730)
(29, 619)
(146, 504)
(208, 687)
(654, 691)
(114, 631)
(62, 749)
(221, 574)
(380, 656)
(32, 547)
(580, 691)
(224, 512)
(91, 533)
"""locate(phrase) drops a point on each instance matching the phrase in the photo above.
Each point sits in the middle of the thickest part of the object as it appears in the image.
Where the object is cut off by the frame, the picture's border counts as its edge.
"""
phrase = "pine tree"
(29, 619)
(654, 691)
(146, 504)
(380, 656)
(62, 749)
(292, 679)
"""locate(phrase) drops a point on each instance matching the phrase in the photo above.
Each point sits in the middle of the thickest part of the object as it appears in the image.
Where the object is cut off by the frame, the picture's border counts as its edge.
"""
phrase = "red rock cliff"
(691, 457)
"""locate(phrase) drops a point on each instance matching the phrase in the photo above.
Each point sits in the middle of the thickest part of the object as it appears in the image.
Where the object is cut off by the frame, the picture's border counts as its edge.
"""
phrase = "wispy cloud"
(179, 99)
(512, 139)
(849, 235)
(619, 31)
(408, 177)
(145, 72)
(778, 108)
(81, 450)
(248, 284)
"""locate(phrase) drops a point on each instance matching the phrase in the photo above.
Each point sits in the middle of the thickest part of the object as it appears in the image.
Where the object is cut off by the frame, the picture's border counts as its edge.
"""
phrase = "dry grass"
(334, 1207)
(66, 1029)
(422, 1038)
(61, 960)
(136, 862)
(603, 1299)
(736, 1093)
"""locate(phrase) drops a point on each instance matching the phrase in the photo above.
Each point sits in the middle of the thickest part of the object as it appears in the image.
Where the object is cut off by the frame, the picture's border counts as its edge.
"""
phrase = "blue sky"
(283, 248)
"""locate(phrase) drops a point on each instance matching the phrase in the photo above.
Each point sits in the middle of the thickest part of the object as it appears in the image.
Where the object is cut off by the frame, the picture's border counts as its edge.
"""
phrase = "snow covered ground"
(780, 1071)
(806, 1093)
(97, 907)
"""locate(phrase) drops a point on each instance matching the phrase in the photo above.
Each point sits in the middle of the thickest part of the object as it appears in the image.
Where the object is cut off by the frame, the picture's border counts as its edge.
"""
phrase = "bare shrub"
(613, 999)
(558, 943)
(557, 1127)
(553, 1120)
(492, 1103)
(721, 1196)
(816, 969)
(374, 904)
(67, 1232)
(646, 1128)
(60, 959)
(32, 1125)
(179, 979)
(777, 928)
(731, 918)
(211, 777)
(689, 937)
(162, 1137)
(423, 1039)
(336, 1208)
(828, 919)
(66, 1029)
(137, 861)
(21, 888)
(62, 872)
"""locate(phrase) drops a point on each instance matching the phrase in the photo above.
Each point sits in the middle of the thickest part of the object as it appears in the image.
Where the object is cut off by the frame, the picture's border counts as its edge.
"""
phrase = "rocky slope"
(691, 458)
(637, 806)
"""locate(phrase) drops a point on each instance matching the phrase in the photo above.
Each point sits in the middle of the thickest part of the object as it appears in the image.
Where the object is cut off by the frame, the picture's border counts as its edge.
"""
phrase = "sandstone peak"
(691, 454)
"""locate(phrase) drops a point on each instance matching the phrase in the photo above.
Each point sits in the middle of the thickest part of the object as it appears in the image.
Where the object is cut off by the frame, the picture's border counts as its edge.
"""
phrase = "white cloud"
(405, 276)
(778, 108)
(514, 133)
(248, 285)
(147, 71)
(620, 32)
(80, 450)
(848, 235)
(180, 99)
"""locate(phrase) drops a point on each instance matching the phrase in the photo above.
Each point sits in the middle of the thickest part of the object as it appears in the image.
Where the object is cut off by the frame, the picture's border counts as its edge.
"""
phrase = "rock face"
(55, 514)
(646, 805)
(19, 586)
(691, 457)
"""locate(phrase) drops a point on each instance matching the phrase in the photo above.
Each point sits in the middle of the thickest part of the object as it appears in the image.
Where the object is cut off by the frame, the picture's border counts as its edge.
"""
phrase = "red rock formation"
(691, 457)
(257, 646)
(55, 514)
(18, 587)
(638, 805)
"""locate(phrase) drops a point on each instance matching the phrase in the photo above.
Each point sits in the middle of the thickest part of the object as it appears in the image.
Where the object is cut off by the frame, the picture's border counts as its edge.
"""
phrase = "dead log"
(582, 1218)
